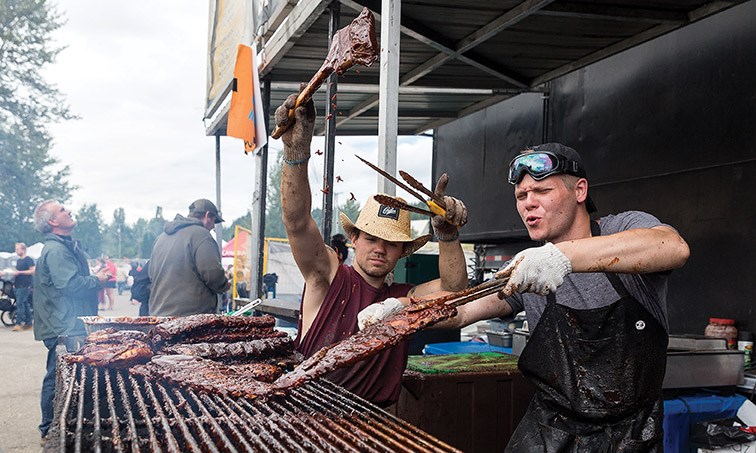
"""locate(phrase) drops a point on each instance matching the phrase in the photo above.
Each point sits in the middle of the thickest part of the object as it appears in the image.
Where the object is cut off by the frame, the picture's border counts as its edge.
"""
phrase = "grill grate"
(103, 410)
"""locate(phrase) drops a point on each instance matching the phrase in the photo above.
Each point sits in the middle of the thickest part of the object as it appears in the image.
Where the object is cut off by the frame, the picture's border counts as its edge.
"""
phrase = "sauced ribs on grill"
(363, 344)
(111, 335)
(207, 376)
(250, 350)
(116, 355)
(211, 328)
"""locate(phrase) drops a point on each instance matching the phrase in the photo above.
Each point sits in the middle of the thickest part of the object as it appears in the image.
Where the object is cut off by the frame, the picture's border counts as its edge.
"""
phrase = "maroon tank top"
(377, 379)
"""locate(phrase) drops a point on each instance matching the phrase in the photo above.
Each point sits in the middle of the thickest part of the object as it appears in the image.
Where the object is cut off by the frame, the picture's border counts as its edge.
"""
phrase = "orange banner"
(241, 114)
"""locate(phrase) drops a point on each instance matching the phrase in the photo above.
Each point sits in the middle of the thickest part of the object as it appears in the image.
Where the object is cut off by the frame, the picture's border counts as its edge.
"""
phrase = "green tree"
(152, 230)
(89, 229)
(274, 227)
(352, 210)
(243, 221)
(28, 104)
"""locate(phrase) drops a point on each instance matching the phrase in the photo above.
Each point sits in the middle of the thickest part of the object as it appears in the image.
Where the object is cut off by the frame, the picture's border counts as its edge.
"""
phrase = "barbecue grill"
(108, 410)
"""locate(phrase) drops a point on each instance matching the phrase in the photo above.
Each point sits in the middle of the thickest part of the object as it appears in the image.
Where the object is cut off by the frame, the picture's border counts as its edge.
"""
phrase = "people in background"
(23, 284)
(339, 244)
(185, 266)
(63, 291)
(140, 287)
(122, 277)
(110, 285)
(270, 280)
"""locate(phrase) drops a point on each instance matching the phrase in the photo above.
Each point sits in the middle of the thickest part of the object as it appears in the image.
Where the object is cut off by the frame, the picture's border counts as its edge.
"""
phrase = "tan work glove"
(446, 228)
(298, 137)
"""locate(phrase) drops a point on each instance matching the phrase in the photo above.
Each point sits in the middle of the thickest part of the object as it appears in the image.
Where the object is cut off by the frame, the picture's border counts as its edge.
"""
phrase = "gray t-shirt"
(593, 290)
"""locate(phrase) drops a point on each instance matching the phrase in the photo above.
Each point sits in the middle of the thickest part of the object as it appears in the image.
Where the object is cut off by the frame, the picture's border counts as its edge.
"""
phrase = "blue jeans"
(23, 306)
(47, 397)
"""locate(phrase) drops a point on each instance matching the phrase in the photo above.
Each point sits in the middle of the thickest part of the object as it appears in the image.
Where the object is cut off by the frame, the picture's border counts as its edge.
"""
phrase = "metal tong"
(492, 286)
(434, 202)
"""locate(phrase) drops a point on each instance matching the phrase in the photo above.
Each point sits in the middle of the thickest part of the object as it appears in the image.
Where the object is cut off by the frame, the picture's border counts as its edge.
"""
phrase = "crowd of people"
(594, 291)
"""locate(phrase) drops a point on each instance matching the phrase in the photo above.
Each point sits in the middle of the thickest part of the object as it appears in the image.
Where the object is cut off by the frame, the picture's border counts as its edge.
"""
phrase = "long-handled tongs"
(434, 202)
(492, 286)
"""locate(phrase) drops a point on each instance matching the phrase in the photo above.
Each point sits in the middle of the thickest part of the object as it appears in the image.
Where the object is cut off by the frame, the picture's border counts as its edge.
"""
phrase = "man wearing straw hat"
(335, 293)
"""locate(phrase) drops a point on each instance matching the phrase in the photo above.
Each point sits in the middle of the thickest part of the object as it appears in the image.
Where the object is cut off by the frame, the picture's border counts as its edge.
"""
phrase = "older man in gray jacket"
(185, 266)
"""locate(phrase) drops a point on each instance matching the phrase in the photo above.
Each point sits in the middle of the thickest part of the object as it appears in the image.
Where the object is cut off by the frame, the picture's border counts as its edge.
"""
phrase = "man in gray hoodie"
(185, 266)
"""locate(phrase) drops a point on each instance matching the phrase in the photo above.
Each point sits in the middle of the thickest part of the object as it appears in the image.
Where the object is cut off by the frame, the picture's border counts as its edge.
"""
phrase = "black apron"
(598, 375)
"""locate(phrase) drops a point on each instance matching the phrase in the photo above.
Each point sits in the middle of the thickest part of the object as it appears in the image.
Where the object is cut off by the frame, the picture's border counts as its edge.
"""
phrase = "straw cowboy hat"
(385, 222)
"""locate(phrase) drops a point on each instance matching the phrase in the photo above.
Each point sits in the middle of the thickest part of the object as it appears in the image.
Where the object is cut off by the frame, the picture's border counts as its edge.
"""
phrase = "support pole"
(330, 133)
(218, 226)
(388, 124)
(259, 200)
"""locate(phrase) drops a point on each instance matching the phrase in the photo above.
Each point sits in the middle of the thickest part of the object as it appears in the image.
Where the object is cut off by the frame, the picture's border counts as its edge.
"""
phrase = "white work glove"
(377, 312)
(539, 270)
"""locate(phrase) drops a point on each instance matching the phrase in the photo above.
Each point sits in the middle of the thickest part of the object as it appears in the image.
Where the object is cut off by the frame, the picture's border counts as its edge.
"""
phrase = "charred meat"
(211, 328)
(115, 355)
(111, 335)
(365, 343)
(207, 376)
(263, 348)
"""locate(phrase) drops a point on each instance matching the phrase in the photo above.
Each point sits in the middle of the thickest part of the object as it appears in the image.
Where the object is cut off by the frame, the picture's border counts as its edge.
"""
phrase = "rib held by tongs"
(458, 298)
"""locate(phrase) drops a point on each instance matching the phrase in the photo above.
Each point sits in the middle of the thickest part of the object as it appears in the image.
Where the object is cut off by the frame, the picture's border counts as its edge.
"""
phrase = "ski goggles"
(540, 165)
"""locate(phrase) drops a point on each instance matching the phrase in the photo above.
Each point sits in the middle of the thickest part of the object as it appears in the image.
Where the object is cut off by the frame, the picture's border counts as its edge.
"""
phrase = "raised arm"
(452, 268)
(315, 260)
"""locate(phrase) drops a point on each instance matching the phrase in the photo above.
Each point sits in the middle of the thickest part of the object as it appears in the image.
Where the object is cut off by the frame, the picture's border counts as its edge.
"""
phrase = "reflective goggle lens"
(537, 165)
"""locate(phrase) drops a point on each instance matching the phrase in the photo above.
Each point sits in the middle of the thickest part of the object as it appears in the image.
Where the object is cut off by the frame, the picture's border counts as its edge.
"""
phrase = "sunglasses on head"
(540, 165)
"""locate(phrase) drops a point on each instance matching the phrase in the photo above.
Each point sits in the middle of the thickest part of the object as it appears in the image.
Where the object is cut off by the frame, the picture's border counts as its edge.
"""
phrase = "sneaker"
(18, 328)
(28, 327)
(43, 441)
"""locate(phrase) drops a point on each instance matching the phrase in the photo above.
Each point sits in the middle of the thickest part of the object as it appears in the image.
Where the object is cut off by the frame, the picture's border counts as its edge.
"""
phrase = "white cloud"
(135, 72)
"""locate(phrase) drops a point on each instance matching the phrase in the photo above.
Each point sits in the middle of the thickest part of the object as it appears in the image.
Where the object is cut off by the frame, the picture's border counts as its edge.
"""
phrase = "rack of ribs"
(264, 348)
(111, 335)
(365, 343)
(248, 381)
(212, 329)
(116, 355)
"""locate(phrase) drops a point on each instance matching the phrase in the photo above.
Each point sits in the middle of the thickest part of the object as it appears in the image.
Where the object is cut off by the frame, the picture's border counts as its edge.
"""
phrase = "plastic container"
(723, 328)
(745, 344)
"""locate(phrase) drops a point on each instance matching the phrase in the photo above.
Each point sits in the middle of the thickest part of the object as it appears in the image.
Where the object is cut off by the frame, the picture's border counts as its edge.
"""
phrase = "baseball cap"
(204, 205)
(563, 160)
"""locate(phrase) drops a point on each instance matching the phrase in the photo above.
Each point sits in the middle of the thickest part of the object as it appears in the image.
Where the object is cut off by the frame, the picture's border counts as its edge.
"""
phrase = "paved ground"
(22, 367)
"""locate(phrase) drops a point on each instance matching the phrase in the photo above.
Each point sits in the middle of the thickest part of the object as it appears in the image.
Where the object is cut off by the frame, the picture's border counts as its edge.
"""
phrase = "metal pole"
(388, 125)
(218, 226)
(330, 133)
(546, 114)
(262, 174)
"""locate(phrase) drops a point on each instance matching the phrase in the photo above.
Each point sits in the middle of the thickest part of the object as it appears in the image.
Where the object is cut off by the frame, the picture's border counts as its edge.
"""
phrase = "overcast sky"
(135, 72)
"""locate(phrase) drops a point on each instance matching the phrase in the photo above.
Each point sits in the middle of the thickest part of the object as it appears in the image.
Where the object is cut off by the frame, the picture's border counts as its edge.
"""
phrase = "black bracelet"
(294, 163)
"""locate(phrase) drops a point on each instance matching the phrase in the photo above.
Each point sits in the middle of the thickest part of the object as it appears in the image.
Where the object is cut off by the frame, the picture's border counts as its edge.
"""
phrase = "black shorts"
(109, 284)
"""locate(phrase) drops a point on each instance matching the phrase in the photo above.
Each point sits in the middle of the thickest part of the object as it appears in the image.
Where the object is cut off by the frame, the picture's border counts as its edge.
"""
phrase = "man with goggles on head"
(595, 298)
